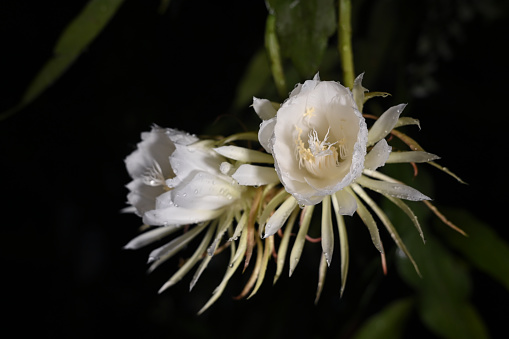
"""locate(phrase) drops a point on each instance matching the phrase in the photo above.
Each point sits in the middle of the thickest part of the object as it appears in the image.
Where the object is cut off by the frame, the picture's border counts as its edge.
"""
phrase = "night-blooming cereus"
(318, 139)
(180, 180)
(324, 153)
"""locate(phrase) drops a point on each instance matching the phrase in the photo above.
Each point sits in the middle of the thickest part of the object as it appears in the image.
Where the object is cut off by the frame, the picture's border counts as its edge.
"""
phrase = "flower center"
(320, 157)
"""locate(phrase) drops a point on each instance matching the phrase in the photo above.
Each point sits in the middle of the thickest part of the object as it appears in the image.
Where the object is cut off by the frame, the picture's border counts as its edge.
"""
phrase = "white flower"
(181, 180)
(318, 139)
(177, 179)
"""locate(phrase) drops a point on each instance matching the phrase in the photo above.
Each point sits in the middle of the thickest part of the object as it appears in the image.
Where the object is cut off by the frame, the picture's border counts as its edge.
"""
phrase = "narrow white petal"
(163, 253)
(383, 126)
(283, 245)
(387, 223)
(344, 203)
(411, 156)
(229, 273)
(182, 271)
(378, 155)
(405, 121)
(244, 154)
(179, 216)
(264, 108)
(345, 256)
(279, 217)
(251, 175)
(149, 237)
(327, 232)
(298, 245)
(368, 219)
(397, 190)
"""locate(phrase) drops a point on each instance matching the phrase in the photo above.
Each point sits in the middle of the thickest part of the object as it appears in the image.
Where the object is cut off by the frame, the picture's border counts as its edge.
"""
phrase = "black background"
(64, 270)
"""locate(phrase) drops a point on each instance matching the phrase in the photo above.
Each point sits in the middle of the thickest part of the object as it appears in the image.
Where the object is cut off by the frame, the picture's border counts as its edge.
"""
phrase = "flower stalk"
(345, 41)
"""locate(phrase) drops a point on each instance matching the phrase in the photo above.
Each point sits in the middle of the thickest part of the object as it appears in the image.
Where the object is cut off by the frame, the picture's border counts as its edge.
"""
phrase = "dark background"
(65, 273)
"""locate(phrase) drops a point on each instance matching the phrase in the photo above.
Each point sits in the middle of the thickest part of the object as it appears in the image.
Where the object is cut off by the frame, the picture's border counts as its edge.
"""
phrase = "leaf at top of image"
(304, 28)
(78, 34)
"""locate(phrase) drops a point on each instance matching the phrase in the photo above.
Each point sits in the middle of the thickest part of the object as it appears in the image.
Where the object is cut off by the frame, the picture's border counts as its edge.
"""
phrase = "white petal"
(411, 156)
(186, 160)
(264, 108)
(393, 189)
(378, 155)
(265, 134)
(165, 252)
(149, 237)
(279, 217)
(251, 175)
(344, 203)
(142, 196)
(244, 154)
(204, 191)
(384, 125)
(326, 230)
(405, 121)
(179, 216)
(155, 146)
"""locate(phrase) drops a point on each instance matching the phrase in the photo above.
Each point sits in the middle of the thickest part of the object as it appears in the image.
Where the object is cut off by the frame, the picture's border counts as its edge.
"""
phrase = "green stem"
(272, 47)
(345, 41)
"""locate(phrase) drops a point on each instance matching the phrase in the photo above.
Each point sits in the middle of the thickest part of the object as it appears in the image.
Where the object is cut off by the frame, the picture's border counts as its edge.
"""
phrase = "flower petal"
(244, 154)
(411, 156)
(165, 252)
(156, 146)
(252, 175)
(279, 217)
(344, 203)
(204, 191)
(300, 239)
(142, 196)
(265, 134)
(264, 108)
(186, 267)
(174, 215)
(186, 160)
(327, 232)
(378, 155)
(383, 126)
(149, 237)
(368, 220)
(393, 189)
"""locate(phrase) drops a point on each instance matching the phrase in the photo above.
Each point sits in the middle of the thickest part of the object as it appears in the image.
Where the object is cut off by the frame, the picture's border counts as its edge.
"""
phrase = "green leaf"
(483, 247)
(255, 78)
(443, 291)
(304, 28)
(388, 323)
(74, 39)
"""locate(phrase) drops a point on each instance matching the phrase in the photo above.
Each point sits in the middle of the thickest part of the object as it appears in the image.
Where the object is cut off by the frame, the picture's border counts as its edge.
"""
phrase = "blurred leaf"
(483, 247)
(73, 40)
(274, 54)
(253, 81)
(454, 320)
(388, 323)
(443, 291)
(304, 28)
